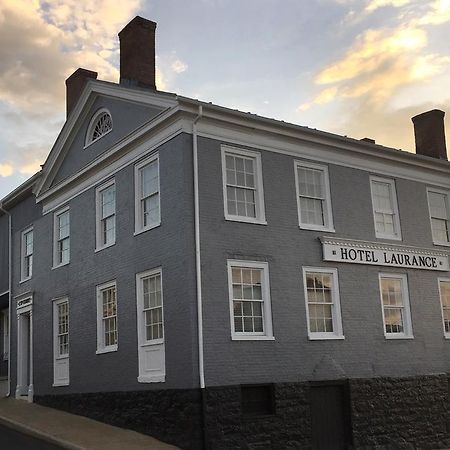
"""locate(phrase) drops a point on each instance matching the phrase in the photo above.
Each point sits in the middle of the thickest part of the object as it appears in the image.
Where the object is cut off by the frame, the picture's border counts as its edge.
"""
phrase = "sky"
(359, 68)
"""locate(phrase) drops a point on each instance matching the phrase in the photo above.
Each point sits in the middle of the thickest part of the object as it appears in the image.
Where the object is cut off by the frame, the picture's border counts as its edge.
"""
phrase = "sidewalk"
(70, 431)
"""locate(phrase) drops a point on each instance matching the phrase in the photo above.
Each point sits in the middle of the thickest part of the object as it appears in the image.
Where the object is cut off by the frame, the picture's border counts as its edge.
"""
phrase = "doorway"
(24, 388)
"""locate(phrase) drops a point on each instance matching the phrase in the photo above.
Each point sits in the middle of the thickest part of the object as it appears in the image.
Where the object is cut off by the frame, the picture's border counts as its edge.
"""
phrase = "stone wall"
(400, 413)
(173, 416)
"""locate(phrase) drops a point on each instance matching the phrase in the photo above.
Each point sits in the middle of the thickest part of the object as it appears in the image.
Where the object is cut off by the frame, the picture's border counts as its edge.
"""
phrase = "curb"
(25, 429)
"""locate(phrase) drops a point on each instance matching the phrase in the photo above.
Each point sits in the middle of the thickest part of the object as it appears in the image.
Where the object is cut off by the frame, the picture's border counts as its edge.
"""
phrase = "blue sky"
(360, 68)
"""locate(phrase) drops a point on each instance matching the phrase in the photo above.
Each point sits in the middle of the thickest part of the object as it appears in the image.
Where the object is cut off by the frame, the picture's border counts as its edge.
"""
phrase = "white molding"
(88, 141)
(389, 181)
(259, 191)
(407, 319)
(447, 201)
(267, 334)
(56, 214)
(98, 215)
(4, 293)
(329, 225)
(149, 349)
(443, 280)
(337, 332)
(138, 219)
(24, 278)
(101, 347)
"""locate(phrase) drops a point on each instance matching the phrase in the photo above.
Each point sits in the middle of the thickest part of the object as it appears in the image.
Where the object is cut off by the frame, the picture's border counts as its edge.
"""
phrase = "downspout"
(198, 268)
(9, 292)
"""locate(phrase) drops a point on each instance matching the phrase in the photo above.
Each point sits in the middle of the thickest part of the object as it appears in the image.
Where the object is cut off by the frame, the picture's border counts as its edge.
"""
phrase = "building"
(227, 281)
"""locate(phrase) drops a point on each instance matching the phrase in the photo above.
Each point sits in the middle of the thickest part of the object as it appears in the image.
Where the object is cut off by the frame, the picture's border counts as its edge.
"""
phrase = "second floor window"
(147, 201)
(313, 197)
(438, 204)
(385, 209)
(27, 254)
(242, 185)
(61, 242)
(106, 215)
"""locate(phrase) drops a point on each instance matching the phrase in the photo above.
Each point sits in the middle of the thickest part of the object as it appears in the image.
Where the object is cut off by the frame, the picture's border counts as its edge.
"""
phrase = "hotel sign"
(373, 253)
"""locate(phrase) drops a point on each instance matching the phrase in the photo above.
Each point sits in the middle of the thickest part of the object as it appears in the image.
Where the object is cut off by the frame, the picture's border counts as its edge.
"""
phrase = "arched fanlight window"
(101, 124)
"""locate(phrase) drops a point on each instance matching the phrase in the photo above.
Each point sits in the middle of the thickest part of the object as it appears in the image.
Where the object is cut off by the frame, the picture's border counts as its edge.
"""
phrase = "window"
(26, 266)
(251, 315)
(147, 201)
(61, 238)
(107, 317)
(323, 309)
(313, 197)
(257, 400)
(395, 306)
(242, 185)
(106, 215)
(385, 209)
(438, 204)
(444, 293)
(151, 346)
(100, 125)
(61, 342)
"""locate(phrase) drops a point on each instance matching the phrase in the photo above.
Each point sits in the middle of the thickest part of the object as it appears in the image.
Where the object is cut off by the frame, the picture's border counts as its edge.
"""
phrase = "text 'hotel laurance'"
(221, 280)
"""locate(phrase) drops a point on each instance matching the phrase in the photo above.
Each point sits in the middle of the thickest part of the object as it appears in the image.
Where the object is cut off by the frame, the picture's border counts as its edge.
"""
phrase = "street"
(13, 440)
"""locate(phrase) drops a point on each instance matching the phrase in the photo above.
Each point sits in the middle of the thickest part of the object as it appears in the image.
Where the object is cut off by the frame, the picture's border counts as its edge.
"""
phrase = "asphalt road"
(13, 440)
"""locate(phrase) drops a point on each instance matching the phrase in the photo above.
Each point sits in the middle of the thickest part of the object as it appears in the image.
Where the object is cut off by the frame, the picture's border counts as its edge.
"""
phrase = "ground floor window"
(107, 317)
(61, 341)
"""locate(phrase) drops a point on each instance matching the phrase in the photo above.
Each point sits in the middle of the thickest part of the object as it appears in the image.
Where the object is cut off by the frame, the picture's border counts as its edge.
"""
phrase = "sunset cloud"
(6, 170)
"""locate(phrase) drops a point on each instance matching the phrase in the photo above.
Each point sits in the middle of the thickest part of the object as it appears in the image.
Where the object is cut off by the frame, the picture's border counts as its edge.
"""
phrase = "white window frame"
(447, 197)
(146, 349)
(407, 320)
(61, 360)
(443, 280)
(98, 215)
(93, 122)
(267, 334)
(56, 214)
(259, 188)
(101, 347)
(6, 331)
(397, 236)
(138, 219)
(23, 256)
(337, 332)
(328, 212)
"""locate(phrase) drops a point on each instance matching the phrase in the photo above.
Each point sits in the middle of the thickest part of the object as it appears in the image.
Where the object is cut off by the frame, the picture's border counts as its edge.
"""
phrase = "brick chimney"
(137, 53)
(75, 85)
(430, 134)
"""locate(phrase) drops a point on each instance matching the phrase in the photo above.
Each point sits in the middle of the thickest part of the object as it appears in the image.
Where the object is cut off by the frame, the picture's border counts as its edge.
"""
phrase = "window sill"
(60, 384)
(394, 337)
(443, 244)
(101, 351)
(317, 228)
(154, 379)
(326, 337)
(446, 336)
(155, 342)
(388, 237)
(60, 265)
(98, 249)
(24, 280)
(61, 358)
(143, 230)
(252, 338)
(246, 220)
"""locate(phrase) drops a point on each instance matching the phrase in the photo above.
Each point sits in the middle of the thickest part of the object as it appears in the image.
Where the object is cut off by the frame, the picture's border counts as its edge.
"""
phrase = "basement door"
(330, 417)
(24, 388)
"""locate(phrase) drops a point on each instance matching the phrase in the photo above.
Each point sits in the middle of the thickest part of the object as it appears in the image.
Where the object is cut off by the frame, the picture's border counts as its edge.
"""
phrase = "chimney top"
(137, 53)
(75, 85)
(430, 134)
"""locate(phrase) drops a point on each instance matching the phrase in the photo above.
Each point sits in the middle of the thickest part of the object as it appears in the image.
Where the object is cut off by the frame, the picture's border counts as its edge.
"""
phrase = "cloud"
(375, 4)
(179, 66)
(438, 14)
(6, 169)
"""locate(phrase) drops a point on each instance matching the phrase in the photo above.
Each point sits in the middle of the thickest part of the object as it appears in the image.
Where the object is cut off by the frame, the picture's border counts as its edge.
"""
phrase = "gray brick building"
(223, 280)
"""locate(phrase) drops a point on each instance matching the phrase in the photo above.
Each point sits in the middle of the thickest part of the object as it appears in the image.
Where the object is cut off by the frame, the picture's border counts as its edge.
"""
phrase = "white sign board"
(360, 252)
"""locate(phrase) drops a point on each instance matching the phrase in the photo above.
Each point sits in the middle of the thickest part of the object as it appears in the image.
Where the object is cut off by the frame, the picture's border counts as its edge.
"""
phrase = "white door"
(24, 388)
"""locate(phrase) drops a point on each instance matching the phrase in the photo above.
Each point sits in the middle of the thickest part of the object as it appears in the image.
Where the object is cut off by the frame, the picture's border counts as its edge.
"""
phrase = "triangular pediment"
(130, 109)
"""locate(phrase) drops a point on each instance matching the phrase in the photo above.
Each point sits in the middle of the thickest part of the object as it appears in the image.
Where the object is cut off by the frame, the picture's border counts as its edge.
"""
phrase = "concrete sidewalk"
(70, 431)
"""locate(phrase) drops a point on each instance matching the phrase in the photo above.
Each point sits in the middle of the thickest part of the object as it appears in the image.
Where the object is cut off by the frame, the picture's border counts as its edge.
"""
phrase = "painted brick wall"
(364, 352)
(170, 246)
